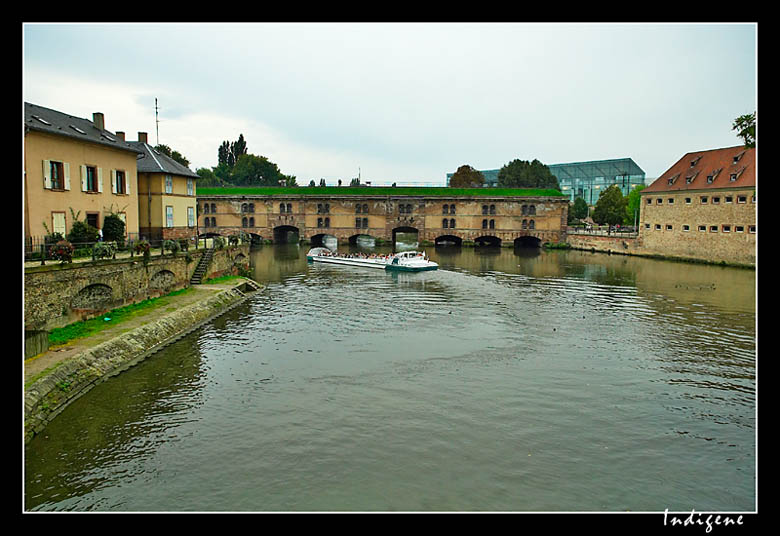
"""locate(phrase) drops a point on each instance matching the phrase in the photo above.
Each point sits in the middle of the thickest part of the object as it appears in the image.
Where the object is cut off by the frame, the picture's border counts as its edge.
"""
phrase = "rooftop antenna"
(156, 121)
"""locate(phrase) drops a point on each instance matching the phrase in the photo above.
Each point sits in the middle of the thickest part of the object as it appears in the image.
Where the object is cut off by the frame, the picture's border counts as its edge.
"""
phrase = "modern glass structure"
(587, 179)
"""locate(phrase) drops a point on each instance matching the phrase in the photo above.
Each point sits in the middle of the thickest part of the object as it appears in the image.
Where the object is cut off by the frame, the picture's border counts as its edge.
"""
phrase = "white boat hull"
(404, 262)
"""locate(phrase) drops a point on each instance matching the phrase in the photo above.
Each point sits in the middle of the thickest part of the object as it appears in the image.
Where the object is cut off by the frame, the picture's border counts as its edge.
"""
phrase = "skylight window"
(42, 120)
(77, 129)
(109, 138)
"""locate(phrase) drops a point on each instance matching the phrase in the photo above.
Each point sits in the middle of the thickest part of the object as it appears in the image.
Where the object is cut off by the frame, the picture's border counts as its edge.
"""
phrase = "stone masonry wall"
(49, 395)
(58, 295)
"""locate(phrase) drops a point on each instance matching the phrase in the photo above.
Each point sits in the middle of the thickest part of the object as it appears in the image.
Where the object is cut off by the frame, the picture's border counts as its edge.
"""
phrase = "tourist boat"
(408, 261)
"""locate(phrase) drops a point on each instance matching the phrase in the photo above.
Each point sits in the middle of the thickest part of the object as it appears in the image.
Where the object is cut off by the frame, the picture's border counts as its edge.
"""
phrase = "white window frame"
(169, 216)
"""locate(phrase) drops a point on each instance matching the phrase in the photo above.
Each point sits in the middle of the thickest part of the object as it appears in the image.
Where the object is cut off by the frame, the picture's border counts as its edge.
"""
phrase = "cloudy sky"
(404, 103)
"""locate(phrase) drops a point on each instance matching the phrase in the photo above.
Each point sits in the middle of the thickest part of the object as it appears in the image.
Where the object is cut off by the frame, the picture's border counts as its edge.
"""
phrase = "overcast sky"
(404, 102)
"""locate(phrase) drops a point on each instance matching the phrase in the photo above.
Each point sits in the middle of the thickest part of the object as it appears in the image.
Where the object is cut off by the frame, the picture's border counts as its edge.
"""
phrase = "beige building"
(74, 167)
(703, 207)
(378, 213)
(166, 195)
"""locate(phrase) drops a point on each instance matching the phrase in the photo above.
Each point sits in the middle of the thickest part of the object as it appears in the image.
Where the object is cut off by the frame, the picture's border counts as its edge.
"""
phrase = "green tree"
(229, 152)
(745, 125)
(633, 202)
(579, 209)
(113, 228)
(524, 174)
(176, 155)
(467, 177)
(208, 177)
(610, 209)
(256, 171)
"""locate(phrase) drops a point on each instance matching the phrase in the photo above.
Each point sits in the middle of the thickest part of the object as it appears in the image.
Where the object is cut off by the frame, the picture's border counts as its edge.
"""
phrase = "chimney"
(98, 120)
(120, 135)
(142, 137)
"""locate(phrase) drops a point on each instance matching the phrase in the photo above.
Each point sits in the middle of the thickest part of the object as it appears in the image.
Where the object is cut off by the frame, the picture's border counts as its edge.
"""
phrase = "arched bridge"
(479, 219)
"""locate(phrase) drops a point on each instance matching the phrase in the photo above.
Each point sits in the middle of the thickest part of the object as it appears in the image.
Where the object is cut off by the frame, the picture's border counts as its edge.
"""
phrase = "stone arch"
(97, 296)
(527, 241)
(488, 240)
(163, 280)
(448, 240)
(283, 234)
(319, 240)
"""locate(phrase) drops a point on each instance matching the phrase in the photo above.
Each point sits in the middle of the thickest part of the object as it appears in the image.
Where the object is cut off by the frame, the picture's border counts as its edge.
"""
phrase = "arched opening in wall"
(286, 234)
(163, 281)
(448, 241)
(95, 297)
(209, 234)
(325, 240)
(528, 242)
(362, 240)
(488, 241)
(405, 238)
(256, 239)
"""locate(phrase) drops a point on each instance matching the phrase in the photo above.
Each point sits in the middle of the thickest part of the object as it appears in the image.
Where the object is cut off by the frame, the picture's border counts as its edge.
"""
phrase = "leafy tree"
(176, 155)
(229, 152)
(524, 174)
(745, 125)
(579, 209)
(256, 170)
(467, 177)
(611, 207)
(113, 228)
(208, 177)
(633, 202)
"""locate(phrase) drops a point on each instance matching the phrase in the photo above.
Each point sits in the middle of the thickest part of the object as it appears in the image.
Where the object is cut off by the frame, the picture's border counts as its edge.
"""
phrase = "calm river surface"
(508, 380)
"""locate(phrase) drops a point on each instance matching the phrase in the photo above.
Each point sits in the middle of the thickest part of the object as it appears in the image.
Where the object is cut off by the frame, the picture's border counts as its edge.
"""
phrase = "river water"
(507, 380)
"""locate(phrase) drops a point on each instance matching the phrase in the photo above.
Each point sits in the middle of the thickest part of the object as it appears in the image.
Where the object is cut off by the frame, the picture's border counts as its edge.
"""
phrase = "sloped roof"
(691, 172)
(51, 121)
(153, 161)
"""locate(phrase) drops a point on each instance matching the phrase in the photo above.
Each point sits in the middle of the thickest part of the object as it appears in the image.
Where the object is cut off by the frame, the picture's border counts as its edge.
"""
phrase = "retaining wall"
(49, 395)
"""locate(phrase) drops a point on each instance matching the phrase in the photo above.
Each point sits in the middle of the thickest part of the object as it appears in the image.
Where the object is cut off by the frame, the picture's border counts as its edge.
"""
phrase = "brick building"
(703, 207)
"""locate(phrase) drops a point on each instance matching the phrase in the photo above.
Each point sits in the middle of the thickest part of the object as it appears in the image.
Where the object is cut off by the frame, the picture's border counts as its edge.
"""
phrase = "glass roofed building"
(587, 179)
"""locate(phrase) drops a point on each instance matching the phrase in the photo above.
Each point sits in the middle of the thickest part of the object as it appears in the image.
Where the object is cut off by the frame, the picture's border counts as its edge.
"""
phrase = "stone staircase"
(202, 267)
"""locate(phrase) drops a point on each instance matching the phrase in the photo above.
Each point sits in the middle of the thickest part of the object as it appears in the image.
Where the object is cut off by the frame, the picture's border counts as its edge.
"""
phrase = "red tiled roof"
(692, 171)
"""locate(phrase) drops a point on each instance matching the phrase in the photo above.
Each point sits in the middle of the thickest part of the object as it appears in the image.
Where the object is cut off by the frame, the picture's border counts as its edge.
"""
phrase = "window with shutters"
(57, 176)
(120, 182)
(58, 223)
(92, 179)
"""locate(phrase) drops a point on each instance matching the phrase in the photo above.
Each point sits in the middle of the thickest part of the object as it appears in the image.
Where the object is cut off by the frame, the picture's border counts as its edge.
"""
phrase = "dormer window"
(733, 177)
(710, 178)
(738, 157)
(695, 161)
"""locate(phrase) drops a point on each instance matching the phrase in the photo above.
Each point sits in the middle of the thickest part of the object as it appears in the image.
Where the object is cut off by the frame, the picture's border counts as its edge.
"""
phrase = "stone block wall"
(58, 295)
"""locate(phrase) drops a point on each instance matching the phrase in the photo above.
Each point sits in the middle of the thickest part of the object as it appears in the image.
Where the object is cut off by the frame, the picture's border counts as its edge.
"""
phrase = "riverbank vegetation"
(87, 328)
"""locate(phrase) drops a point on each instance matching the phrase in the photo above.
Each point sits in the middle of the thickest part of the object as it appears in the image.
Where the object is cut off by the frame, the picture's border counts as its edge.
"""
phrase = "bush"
(104, 250)
(145, 248)
(171, 245)
(62, 251)
(81, 232)
(113, 229)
